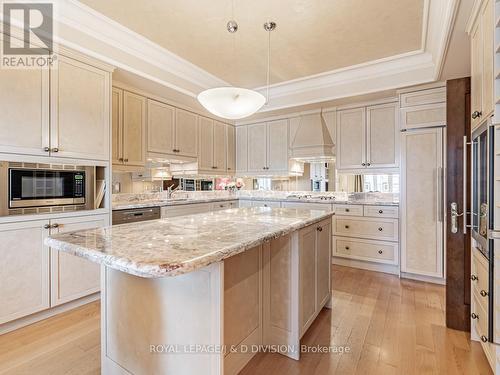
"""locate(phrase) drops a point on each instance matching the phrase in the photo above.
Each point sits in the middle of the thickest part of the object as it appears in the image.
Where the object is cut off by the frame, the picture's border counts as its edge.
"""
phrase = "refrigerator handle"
(464, 181)
(440, 195)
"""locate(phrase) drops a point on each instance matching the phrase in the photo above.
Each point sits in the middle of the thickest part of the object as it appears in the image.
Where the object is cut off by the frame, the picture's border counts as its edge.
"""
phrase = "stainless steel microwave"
(30, 188)
(45, 187)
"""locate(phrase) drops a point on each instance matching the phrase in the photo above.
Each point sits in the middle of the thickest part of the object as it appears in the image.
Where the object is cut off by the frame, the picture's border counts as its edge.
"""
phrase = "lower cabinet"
(24, 271)
(314, 272)
(34, 278)
(196, 208)
(73, 277)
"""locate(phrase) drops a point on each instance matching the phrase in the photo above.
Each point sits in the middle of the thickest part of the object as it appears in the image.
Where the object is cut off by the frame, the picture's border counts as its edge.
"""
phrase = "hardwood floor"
(391, 326)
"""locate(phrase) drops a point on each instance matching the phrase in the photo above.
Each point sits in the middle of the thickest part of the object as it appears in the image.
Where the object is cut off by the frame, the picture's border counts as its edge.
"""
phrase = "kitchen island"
(199, 294)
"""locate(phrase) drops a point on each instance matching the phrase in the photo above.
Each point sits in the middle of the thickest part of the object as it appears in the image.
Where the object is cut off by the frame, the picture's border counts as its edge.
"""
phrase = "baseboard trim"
(427, 279)
(30, 319)
(354, 263)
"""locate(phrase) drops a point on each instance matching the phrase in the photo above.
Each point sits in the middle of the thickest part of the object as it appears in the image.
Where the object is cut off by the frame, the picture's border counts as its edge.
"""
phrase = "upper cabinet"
(231, 149)
(186, 133)
(482, 64)
(212, 149)
(368, 137)
(266, 150)
(129, 126)
(63, 112)
(80, 97)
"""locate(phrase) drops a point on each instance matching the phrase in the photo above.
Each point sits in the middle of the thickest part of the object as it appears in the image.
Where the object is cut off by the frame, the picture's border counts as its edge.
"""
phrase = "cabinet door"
(24, 104)
(323, 263)
(80, 99)
(382, 136)
(161, 120)
(73, 277)
(488, 31)
(257, 148)
(24, 274)
(351, 139)
(422, 202)
(476, 73)
(134, 129)
(117, 126)
(241, 149)
(231, 148)
(220, 147)
(206, 144)
(307, 277)
(186, 133)
(277, 143)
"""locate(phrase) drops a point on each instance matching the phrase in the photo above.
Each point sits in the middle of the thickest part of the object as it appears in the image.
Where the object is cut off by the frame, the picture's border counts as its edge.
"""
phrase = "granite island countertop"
(175, 246)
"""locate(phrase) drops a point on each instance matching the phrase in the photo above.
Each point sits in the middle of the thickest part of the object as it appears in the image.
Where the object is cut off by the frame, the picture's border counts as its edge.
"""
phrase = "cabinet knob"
(55, 225)
(363, 164)
(484, 339)
(380, 251)
(46, 149)
(368, 164)
(476, 114)
(214, 167)
(473, 277)
(474, 316)
(380, 229)
(347, 247)
(120, 159)
(125, 160)
(483, 293)
(319, 229)
(55, 149)
(347, 227)
(229, 169)
(380, 211)
(347, 210)
(46, 226)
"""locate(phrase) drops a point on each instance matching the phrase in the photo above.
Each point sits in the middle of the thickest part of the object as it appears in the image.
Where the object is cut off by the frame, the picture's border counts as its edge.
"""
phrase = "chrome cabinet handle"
(49, 226)
(484, 339)
(380, 251)
(363, 164)
(368, 164)
(46, 149)
(380, 211)
(46, 226)
(55, 149)
(476, 114)
(319, 229)
(483, 293)
(474, 316)
(55, 225)
(473, 277)
(380, 229)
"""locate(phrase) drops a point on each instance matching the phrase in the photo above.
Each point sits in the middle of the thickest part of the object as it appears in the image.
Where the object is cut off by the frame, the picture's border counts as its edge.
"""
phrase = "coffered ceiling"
(313, 36)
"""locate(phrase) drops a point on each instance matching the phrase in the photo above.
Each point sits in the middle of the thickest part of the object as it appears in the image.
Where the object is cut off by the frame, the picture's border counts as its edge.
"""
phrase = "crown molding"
(87, 31)
(473, 16)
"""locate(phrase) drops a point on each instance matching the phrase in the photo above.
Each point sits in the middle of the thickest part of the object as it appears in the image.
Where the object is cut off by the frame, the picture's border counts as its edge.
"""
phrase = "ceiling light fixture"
(235, 103)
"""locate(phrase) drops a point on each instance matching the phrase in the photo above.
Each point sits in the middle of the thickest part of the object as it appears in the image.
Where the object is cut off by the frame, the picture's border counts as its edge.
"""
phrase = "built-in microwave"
(45, 187)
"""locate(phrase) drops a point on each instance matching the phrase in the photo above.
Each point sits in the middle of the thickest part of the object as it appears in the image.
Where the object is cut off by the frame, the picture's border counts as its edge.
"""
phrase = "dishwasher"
(134, 215)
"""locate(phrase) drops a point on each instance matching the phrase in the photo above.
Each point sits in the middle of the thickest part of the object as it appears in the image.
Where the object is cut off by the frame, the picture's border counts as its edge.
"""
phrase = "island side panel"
(142, 316)
(242, 308)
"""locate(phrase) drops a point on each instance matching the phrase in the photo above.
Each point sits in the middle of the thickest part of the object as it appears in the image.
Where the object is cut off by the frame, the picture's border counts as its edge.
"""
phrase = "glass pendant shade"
(231, 102)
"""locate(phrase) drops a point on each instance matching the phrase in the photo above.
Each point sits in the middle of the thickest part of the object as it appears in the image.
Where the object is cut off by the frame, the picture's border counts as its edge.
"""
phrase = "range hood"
(312, 141)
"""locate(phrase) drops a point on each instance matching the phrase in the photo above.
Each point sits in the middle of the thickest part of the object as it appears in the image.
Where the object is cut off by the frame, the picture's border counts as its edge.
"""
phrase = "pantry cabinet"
(80, 97)
(368, 137)
(62, 112)
(482, 64)
(267, 148)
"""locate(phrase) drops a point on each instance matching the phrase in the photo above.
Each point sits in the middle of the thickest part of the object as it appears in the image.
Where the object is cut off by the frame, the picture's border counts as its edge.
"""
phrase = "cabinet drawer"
(437, 95)
(223, 205)
(374, 251)
(480, 317)
(377, 229)
(349, 210)
(479, 277)
(266, 204)
(382, 211)
(423, 116)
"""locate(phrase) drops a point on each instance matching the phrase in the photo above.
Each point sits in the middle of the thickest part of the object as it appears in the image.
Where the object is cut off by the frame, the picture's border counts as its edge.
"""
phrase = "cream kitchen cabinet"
(63, 112)
(129, 125)
(314, 272)
(242, 150)
(212, 152)
(231, 149)
(267, 147)
(186, 133)
(368, 137)
(160, 130)
(482, 64)
(24, 274)
(73, 277)
(80, 97)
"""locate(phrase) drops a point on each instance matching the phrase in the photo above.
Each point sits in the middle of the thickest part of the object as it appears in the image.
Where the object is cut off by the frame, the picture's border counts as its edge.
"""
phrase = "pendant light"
(235, 103)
